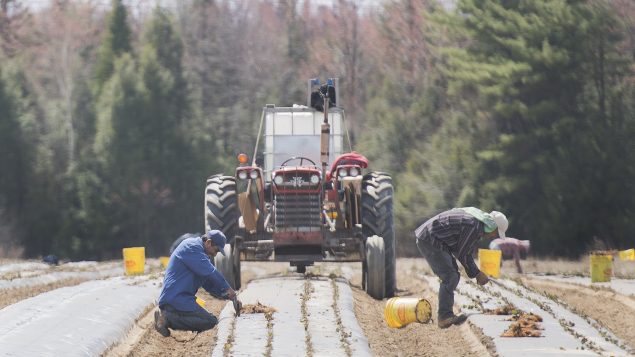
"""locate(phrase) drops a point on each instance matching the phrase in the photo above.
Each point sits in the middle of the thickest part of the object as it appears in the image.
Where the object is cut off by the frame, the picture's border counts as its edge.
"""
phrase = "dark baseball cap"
(218, 238)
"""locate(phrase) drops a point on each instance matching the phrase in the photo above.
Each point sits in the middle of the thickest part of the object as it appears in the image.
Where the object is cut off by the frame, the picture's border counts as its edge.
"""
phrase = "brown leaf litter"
(505, 310)
(258, 308)
(524, 325)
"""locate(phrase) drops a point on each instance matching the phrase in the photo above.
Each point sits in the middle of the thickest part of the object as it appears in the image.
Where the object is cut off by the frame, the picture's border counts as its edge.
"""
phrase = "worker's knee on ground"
(209, 323)
(199, 321)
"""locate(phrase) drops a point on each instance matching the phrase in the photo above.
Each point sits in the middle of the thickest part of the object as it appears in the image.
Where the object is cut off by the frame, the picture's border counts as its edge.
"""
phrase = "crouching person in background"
(512, 248)
(190, 268)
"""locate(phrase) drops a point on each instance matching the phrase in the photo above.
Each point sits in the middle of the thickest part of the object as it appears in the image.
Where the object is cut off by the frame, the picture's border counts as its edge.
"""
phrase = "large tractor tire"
(375, 270)
(377, 219)
(181, 239)
(221, 213)
(221, 205)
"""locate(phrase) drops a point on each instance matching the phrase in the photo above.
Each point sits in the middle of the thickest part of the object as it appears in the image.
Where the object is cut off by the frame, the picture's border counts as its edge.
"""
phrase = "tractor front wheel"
(226, 265)
(377, 219)
(375, 275)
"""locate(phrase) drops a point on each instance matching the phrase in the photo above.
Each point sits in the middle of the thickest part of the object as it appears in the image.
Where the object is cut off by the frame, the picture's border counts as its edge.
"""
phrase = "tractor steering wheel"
(301, 158)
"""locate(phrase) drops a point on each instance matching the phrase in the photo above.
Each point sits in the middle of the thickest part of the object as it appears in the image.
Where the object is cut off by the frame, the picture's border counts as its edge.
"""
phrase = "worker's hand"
(230, 294)
(482, 279)
(238, 305)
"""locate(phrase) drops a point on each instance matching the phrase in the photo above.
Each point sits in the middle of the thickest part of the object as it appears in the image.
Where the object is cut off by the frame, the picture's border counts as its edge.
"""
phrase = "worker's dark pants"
(199, 320)
(444, 266)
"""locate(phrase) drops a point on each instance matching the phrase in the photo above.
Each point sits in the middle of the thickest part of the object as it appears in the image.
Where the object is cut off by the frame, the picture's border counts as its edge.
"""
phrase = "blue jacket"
(188, 270)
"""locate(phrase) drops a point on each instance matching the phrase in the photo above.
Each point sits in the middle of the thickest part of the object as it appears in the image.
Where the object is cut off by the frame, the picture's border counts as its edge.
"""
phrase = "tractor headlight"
(242, 175)
(253, 174)
(278, 180)
(315, 179)
(354, 171)
(342, 172)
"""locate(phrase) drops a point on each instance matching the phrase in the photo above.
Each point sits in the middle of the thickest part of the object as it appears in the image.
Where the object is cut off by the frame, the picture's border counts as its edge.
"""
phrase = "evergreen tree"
(106, 190)
(149, 180)
(35, 198)
(116, 41)
(12, 157)
(527, 70)
(14, 169)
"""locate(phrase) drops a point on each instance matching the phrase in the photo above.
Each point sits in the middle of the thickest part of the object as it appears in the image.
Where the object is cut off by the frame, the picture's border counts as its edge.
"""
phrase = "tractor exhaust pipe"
(324, 137)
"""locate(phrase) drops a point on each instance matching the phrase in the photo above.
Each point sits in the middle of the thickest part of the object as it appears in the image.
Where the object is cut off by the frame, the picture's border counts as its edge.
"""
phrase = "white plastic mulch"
(18, 275)
(23, 266)
(286, 334)
(80, 320)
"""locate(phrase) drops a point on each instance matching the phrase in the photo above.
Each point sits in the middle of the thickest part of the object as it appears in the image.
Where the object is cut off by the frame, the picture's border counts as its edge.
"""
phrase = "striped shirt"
(456, 232)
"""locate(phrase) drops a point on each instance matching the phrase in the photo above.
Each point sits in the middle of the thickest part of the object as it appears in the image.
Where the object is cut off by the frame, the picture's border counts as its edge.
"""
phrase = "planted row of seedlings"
(566, 324)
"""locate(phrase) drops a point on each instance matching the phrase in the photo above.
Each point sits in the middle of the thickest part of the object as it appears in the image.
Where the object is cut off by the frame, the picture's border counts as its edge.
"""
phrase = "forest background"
(113, 115)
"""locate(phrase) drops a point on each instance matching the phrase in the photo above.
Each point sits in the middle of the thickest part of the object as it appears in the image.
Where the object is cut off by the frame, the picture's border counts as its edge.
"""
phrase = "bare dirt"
(180, 343)
(414, 339)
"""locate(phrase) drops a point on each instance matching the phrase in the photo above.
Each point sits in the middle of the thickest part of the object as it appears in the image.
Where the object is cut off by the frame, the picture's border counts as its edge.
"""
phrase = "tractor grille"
(297, 212)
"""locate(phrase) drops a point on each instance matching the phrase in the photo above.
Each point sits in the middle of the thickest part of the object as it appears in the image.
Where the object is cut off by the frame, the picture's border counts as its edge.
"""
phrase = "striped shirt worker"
(453, 235)
(456, 232)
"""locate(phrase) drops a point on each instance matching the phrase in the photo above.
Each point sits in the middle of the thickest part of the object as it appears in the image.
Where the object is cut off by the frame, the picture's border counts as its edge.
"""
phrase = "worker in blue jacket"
(189, 269)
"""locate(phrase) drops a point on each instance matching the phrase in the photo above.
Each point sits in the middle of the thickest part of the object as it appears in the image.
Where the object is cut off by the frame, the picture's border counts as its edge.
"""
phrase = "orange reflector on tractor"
(242, 158)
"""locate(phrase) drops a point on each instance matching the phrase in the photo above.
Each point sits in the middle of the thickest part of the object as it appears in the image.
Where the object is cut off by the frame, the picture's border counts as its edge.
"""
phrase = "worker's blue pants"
(444, 266)
(199, 320)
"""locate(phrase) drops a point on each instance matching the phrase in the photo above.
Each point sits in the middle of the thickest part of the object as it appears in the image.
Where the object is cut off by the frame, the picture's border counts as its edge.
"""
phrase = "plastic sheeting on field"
(22, 266)
(81, 320)
(288, 334)
(55, 276)
(575, 340)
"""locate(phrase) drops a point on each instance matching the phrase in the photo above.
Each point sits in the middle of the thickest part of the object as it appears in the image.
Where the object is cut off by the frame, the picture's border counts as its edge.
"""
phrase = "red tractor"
(305, 200)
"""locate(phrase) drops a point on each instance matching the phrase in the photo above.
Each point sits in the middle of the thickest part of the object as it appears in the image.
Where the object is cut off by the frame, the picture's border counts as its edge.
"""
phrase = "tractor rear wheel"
(377, 219)
(221, 205)
(221, 213)
(375, 275)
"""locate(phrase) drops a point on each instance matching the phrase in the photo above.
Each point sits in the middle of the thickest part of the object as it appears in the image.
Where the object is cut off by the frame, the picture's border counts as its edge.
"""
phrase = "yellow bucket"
(401, 311)
(164, 261)
(490, 262)
(628, 254)
(134, 260)
(601, 268)
(200, 301)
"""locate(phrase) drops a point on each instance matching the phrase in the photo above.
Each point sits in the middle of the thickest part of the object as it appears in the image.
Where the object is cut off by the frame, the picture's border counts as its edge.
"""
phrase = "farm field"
(90, 308)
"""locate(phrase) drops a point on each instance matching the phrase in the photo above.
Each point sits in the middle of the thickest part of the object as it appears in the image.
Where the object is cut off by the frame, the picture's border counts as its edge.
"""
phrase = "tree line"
(111, 118)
